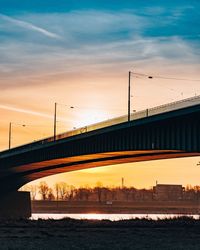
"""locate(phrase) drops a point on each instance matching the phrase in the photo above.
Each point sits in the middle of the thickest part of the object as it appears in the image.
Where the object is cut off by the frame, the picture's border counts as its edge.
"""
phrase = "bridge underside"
(12, 200)
(19, 176)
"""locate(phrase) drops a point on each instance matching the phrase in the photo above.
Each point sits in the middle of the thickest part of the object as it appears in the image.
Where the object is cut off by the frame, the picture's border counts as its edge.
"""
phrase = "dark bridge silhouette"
(168, 131)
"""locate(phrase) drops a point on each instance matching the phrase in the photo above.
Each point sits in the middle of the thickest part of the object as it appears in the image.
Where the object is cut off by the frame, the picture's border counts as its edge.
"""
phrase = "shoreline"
(74, 207)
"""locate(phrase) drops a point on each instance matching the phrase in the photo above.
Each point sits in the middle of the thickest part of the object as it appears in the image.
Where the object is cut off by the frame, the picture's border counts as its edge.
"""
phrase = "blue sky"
(43, 41)
(184, 14)
(95, 43)
(64, 5)
(52, 25)
(50, 41)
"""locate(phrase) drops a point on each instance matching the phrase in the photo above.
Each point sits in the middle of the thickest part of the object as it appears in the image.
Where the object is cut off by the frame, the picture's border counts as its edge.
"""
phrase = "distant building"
(168, 192)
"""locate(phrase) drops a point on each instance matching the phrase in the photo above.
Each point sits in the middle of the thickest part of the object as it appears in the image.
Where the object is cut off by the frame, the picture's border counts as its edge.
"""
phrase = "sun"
(91, 117)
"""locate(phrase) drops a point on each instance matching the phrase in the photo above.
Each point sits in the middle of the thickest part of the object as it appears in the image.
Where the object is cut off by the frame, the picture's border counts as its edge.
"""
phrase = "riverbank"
(117, 207)
(179, 233)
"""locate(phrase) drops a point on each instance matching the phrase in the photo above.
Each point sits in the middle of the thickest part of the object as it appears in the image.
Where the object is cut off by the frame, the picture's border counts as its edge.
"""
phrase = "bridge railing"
(192, 101)
(114, 121)
(134, 116)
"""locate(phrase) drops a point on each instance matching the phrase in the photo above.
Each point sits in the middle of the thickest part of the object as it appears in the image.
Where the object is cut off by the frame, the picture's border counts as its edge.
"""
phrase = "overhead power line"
(165, 77)
(88, 107)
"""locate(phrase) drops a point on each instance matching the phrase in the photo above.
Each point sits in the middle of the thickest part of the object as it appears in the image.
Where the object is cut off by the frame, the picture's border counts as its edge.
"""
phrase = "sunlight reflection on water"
(112, 217)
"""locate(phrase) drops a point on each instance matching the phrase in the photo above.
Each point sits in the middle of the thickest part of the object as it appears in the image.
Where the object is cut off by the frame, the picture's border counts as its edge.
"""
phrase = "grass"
(170, 234)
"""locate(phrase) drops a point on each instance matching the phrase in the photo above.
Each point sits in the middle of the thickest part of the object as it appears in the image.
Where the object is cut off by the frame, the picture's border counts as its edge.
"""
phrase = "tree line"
(61, 191)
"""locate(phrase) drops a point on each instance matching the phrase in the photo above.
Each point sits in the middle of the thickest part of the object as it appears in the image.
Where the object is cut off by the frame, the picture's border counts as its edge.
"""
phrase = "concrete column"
(15, 205)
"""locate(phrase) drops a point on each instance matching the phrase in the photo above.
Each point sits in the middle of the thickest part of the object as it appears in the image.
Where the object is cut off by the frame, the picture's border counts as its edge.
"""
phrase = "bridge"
(167, 131)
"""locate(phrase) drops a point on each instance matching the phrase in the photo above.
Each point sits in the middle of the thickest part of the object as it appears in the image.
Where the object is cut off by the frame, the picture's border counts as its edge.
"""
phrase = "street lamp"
(129, 91)
(55, 117)
(10, 133)
(129, 96)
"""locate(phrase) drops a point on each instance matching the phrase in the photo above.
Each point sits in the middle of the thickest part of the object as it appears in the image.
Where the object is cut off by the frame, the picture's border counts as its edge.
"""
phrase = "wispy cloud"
(29, 26)
(93, 41)
(32, 112)
(25, 111)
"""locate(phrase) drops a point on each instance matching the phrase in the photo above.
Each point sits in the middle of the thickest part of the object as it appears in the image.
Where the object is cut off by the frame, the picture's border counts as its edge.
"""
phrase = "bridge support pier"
(15, 205)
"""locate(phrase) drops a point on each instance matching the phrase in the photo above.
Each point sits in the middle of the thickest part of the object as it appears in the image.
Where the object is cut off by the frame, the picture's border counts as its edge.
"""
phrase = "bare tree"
(98, 189)
(62, 190)
(80, 193)
(126, 192)
(43, 189)
(33, 190)
(114, 192)
(105, 194)
(70, 192)
(50, 195)
(56, 187)
(197, 188)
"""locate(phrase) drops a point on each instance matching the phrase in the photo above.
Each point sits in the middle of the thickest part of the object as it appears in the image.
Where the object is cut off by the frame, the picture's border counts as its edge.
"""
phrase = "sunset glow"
(78, 55)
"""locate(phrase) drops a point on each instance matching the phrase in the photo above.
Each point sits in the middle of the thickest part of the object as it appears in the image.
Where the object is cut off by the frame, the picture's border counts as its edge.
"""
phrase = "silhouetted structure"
(168, 131)
(168, 192)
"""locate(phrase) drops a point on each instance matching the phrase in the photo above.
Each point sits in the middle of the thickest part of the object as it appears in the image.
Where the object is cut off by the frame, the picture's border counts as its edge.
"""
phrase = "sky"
(78, 53)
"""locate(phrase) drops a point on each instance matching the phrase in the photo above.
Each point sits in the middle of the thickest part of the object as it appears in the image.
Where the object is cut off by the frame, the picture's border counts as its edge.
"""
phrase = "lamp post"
(129, 96)
(55, 119)
(10, 133)
(129, 91)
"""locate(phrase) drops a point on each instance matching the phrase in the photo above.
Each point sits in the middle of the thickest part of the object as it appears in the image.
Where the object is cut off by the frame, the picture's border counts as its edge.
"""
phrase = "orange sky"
(140, 175)
(95, 99)
(79, 55)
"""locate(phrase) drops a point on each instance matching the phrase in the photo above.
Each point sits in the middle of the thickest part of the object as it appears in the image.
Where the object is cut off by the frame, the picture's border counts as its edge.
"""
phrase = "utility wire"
(86, 107)
(139, 75)
(29, 125)
(164, 77)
